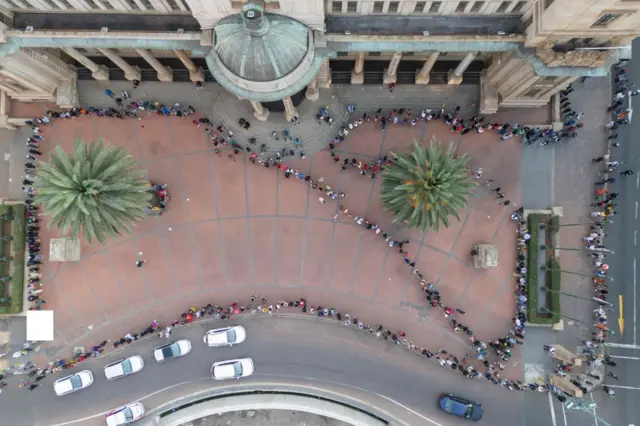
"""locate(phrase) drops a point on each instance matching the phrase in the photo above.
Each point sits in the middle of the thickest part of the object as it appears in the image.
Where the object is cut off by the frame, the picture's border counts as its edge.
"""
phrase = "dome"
(261, 47)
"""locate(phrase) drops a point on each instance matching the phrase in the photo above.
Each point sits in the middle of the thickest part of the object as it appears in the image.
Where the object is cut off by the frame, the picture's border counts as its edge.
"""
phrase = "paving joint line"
(247, 218)
(276, 255)
(363, 229)
(192, 238)
(423, 132)
(306, 227)
(340, 185)
(93, 291)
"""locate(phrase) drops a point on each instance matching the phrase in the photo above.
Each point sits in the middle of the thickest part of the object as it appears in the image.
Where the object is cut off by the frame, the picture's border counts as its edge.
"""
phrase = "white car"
(123, 367)
(80, 380)
(232, 369)
(227, 336)
(125, 414)
(172, 350)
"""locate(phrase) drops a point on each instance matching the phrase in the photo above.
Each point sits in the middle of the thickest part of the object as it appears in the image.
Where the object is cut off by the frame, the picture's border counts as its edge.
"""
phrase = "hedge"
(553, 283)
(532, 269)
(18, 231)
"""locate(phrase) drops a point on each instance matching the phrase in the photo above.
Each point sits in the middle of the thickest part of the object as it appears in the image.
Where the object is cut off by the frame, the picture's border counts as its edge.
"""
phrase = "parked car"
(126, 414)
(227, 336)
(469, 410)
(172, 350)
(75, 382)
(232, 369)
(124, 367)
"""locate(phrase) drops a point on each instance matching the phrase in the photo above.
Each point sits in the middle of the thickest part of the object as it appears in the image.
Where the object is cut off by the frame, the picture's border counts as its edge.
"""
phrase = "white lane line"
(139, 399)
(622, 345)
(636, 209)
(564, 414)
(595, 418)
(623, 357)
(553, 412)
(635, 308)
(638, 180)
(311, 379)
(635, 237)
(623, 387)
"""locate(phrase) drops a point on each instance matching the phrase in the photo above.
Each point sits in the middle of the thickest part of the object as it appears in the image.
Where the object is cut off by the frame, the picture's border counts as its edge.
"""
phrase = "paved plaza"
(233, 229)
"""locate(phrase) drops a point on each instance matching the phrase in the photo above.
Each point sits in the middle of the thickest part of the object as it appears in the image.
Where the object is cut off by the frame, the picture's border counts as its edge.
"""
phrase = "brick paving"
(233, 229)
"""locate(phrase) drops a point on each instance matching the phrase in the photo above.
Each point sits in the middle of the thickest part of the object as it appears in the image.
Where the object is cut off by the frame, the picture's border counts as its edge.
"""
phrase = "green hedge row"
(532, 267)
(553, 283)
(18, 231)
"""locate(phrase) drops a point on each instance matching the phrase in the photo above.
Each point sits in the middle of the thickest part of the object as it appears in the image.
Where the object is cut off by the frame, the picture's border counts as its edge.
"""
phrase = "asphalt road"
(623, 238)
(283, 349)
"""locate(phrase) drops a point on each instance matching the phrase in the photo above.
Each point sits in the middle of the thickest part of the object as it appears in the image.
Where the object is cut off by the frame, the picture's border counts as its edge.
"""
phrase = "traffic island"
(543, 268)
(12, 258)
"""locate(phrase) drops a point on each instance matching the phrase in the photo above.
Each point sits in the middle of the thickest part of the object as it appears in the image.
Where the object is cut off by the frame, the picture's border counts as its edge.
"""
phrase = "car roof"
(63, 385)
(217, 336)
(226, 370)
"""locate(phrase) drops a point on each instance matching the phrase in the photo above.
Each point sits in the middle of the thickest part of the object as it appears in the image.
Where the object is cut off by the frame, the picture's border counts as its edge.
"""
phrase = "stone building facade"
(520, 52)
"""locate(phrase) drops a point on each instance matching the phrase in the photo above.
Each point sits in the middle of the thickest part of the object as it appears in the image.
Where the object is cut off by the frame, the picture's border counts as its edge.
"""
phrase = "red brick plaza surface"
(233, 229)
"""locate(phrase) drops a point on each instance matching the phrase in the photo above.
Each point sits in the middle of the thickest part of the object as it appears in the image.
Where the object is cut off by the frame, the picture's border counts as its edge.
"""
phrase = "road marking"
(139, 399)
(553, 412)
(623, 357)
(635, 309)
(636, 209)
(595, 416)
(638, 180)
(412, 411)
(635, 237)
(622, 345)
(621, 315)
(564, 414)
(623, 387)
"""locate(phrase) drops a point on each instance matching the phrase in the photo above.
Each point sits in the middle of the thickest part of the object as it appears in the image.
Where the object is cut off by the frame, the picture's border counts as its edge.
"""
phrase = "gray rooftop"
(114, 21)
(260, 46)
(436, 25)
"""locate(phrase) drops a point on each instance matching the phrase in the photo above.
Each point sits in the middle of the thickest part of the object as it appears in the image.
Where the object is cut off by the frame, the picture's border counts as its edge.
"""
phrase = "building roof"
(259, 46)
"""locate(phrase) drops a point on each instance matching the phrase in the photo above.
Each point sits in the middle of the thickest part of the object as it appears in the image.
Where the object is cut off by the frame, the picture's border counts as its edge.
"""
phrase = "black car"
(461, 407)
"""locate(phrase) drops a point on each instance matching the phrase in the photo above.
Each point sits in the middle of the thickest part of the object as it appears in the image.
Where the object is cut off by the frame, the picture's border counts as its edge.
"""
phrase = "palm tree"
(97, 190)
(426, 186)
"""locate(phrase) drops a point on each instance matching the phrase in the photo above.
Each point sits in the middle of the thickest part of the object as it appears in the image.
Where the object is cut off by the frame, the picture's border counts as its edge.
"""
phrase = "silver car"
(227, 336)
(75, 382)
(172, 350)
(232, 369)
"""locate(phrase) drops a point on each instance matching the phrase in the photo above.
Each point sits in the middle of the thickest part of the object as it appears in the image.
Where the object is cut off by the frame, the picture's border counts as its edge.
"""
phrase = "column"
(260, 112)
(130, 72)
(455, 75)
(312, 90)
(164, 73)
(324, 76)
(98, 72)
(357, 75)
(390, 73)
(290, 111)
(195, 74)
(422, 77)
(5, 107)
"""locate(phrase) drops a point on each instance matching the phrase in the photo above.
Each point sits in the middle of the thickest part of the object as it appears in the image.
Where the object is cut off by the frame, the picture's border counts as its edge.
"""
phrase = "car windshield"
(76, 382)
(237, 369)
(231, 335)
(170, 351)
(127, 413)
(467, 414)
(126, 367)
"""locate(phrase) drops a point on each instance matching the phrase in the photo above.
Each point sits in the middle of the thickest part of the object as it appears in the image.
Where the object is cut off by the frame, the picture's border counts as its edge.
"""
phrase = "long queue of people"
(224, 139)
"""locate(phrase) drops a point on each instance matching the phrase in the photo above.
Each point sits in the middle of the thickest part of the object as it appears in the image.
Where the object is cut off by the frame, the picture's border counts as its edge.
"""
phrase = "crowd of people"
(485, 359)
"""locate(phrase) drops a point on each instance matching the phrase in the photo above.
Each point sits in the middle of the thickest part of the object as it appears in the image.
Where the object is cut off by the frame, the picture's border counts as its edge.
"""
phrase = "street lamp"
(597, 250)
(545, 268)
(572, 319)
(545, 289)
(587, 407)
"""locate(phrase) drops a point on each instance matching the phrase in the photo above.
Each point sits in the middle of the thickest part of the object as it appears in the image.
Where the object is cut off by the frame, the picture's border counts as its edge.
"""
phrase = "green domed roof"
(259, 46)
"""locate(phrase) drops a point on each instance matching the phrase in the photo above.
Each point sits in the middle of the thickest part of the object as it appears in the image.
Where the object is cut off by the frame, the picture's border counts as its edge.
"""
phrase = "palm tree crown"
(98, 190)
(426, 186)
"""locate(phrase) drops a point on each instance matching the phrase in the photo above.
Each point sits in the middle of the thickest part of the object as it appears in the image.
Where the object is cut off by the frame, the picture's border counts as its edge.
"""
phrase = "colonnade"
(422, 76)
